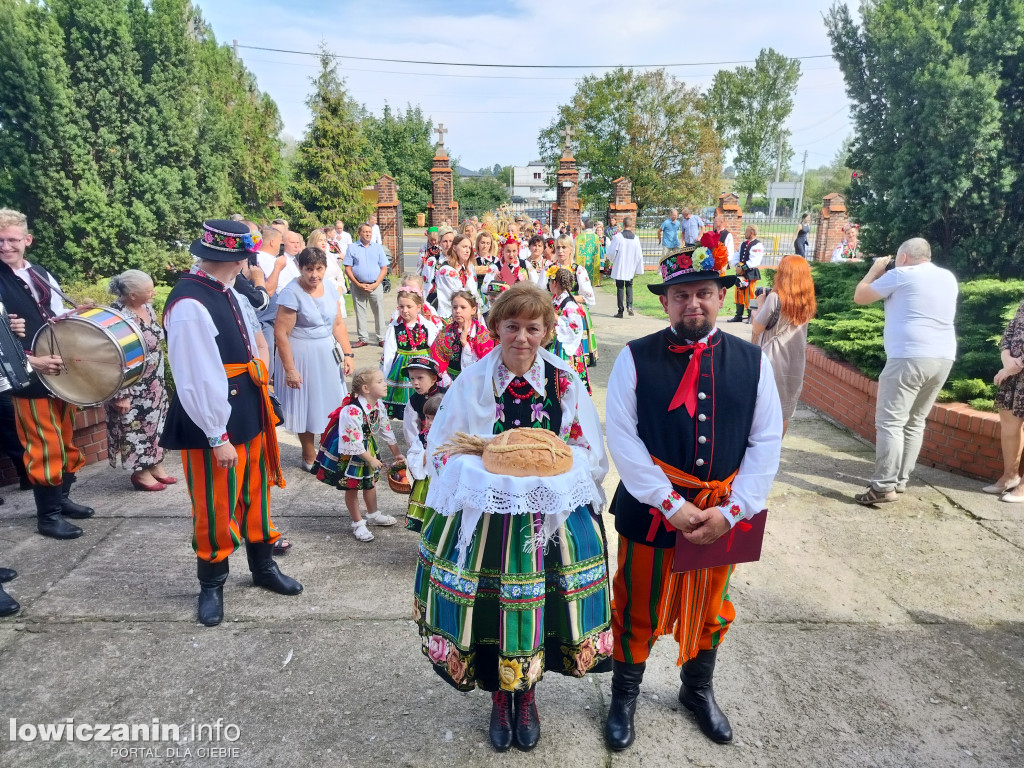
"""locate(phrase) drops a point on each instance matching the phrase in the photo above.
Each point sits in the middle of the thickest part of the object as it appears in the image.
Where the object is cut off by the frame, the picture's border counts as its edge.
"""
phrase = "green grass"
(647, 303)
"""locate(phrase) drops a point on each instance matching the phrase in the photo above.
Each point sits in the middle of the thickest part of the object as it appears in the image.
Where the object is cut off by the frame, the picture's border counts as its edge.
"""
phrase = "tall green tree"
(750, 104)
(829, 178)
(938, 90)
(334, 160)
(404, 150)
(481, 193)
(646, 126)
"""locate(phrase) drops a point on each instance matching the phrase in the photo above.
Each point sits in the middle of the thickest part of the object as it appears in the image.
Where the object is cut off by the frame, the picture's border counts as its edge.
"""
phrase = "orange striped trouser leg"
(215, 492)
(744, 295)
(253, 511)
(46, 428)
(705, 610)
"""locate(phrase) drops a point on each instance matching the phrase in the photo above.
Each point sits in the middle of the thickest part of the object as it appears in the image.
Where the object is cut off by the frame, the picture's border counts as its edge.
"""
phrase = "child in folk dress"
(410, 334)
(427, 384)
(464, 340)
(349, 457)
(570, 327)
(414, 283)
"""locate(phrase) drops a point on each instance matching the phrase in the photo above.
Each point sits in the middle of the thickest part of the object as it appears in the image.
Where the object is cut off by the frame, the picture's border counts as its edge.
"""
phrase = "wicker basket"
(398, 478)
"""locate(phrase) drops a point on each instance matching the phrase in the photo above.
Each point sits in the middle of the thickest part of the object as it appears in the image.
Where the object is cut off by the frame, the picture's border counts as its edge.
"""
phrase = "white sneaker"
(379, 518)
(360, 531)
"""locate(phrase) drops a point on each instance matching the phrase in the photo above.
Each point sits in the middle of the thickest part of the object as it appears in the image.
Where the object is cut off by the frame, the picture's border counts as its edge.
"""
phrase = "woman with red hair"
(780, 327)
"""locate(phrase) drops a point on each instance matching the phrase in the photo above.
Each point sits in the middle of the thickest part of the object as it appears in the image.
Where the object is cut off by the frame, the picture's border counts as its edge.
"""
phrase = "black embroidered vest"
(18, 300)
(710, 444)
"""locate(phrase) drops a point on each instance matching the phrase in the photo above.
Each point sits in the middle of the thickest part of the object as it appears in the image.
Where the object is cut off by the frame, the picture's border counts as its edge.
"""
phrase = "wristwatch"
(349, 354)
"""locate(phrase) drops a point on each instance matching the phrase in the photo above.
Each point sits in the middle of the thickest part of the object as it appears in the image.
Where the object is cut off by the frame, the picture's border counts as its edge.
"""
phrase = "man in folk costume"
(697, 447)
(222, 420)
(746, 261)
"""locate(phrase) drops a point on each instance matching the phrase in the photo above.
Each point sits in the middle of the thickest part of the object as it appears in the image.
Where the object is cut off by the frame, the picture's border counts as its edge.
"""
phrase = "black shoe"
(629, 310)
(618, 729)
(698, 696)
(7, 574)
(501, 720)
(8, 605)
(527, 720)
(49, 521)
(593, 360)
(265, 572)
(737, 319)
(68, 507)
(618, 314)
(211, 591)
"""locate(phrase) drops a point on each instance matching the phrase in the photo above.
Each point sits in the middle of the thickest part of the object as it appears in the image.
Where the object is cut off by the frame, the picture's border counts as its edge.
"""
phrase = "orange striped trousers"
(46, 428)
(743, 296)
(228, 503)
(651, 600)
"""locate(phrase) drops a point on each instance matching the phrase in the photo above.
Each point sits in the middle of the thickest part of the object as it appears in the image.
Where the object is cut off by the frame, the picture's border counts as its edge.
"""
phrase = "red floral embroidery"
(735, 510)
(674, 496)
(563, 383)
(666, 505)
(575, 431)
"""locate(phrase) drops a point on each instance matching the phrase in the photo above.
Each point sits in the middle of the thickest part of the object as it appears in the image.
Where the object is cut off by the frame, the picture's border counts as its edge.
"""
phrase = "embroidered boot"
(49, 521)
(68, 507)
(501, 720)
(265, 572)
(618, 729)
(527, 720)
(211, 591)
(698, 696)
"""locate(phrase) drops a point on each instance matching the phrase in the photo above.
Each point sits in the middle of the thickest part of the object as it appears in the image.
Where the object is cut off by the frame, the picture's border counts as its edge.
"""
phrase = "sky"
(492, 114)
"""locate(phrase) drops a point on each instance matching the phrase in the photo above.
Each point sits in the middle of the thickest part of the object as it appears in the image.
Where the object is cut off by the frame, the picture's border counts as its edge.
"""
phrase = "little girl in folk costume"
(582, 291)
(349, 457)
(570, 328)
(414, 283)
(408, 335)
(462, 341)
(425, 377)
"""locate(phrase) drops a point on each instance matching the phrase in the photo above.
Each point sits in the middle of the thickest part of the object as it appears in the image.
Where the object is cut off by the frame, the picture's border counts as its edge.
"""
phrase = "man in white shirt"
(627, 262)
(707, 417)
(222, 421)
(920, 347)
(340, 237)
(374, 230)
(279, 271)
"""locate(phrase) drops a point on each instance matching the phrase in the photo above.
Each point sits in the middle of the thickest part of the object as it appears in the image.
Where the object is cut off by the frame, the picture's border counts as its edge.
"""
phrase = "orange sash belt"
(261, 378)
(712, 493)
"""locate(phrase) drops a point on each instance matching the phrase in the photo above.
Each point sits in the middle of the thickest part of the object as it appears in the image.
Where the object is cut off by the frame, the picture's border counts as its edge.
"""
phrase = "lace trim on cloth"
(465, 486)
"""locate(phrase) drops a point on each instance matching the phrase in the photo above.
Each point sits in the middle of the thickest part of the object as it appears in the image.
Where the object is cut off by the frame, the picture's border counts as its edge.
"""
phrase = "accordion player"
(15, 371)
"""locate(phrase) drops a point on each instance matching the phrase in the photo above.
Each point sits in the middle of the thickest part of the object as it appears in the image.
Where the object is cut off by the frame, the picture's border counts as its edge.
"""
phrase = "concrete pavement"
(874, 637)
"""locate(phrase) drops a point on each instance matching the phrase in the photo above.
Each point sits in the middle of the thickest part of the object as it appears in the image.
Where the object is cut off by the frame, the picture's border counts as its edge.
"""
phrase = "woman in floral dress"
(135, 417)
(502, 596)
(570, 323)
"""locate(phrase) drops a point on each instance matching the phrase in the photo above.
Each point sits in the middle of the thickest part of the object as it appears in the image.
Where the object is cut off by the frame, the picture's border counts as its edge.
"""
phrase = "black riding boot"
(68, 507)
(265, 572)
(527, 719)
(211, 591)
(48, 513)
(500, 729)
(626, 679)
(7, 574)
(698, 696)
(8, 605)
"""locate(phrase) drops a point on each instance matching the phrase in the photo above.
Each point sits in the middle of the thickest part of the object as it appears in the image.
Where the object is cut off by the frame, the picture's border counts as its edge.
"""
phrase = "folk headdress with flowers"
(223, 240)
(689, 265)
(510, 238)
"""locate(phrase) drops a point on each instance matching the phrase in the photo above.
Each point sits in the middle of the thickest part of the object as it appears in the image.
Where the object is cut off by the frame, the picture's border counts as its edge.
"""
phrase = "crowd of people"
(492, 334)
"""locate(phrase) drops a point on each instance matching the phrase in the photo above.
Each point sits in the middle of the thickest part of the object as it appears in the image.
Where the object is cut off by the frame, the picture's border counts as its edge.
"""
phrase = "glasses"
(12, 241)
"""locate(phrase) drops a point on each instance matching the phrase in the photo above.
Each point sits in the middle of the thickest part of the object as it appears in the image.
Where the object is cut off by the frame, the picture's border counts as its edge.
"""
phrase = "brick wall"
(729, 207)
(442, 205)
(90, 438)
(387, 220)
(956, 436)
(832, 220)
(622, 203)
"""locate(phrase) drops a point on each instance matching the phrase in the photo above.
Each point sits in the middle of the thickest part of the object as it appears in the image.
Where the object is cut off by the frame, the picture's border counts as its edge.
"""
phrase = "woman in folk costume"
(747, 260)
(410, 334)
(505, 590)
(582, 292)
(537, 261)
(464, 340)
(509, 270)
(457, 274)
(569, 323)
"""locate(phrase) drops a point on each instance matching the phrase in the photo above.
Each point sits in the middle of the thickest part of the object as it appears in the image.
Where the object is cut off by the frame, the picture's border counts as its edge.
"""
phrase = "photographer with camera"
(920, 346)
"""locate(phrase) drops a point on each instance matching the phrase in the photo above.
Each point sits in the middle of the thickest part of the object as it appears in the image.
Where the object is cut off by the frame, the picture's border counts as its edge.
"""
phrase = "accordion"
(15, 372)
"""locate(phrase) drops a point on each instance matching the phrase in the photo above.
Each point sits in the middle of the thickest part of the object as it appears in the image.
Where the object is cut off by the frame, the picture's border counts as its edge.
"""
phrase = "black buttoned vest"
(708, 445)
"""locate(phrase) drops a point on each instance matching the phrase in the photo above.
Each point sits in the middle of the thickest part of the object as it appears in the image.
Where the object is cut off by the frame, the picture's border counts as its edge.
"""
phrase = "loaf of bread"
(527, 452)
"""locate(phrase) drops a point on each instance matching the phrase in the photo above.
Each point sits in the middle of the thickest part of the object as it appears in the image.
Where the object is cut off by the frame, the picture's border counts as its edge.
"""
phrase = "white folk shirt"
(56, 303)
(199, 377)
(753, 258)
(647, 483)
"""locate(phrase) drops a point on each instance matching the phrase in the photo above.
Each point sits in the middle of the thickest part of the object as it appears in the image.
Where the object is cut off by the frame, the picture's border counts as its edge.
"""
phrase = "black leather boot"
(48, 514)
(211, 591)
(501, 720)
(8, 605)
(7, 574)
(265, 572)
(527, 720)
(698, 696)
(68, 507)
(24, 483)
(626, 679)
(738, 318)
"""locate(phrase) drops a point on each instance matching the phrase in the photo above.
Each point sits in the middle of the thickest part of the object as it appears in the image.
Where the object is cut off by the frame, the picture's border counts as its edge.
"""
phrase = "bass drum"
(103, 352)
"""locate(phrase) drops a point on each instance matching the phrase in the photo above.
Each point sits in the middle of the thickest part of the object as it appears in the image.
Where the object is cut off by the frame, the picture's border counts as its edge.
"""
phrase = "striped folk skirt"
(341, 470)
(513, 613)
(399, 387)
(419, 512)
(589, 346)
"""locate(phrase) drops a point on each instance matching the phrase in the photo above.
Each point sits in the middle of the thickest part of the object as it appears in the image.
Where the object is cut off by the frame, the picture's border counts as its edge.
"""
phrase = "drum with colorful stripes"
(103, 352)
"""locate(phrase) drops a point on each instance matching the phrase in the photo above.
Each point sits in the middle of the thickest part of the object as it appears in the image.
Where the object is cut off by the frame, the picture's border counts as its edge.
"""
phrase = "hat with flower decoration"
(421, 363)
(223, 240)
(691, 264)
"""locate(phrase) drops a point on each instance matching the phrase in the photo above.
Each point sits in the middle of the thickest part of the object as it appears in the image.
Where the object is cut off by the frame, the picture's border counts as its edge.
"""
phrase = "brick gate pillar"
(832, 219)
(566, 211)
(622, 204)
(442, 204)
(729, 207)
(387, 219)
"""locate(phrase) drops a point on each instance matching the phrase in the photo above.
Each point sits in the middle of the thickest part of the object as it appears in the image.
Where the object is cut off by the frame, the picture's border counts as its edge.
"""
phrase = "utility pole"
(235, 48)
(803, 177)
(778, 170)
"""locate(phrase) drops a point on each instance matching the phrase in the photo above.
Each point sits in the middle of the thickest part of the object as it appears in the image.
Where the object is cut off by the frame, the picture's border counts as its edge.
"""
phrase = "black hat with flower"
(224, 240)
(691, 264)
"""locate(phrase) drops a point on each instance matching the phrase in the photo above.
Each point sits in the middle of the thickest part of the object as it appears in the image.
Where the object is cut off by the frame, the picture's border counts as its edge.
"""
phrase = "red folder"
(741, 545)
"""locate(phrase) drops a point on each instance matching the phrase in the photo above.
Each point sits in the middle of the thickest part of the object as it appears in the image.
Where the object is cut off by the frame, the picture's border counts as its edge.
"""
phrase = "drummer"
(45, 423)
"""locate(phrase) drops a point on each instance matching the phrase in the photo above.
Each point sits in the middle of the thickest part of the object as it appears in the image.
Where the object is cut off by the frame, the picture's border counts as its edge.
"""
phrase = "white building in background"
(534, 184)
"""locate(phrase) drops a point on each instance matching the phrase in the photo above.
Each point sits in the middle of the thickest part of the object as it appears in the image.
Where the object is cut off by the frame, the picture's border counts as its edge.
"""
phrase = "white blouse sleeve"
(199, 377)
(383, 430)
(586, 288)
(581, 426)
(390, 347)
(411, 426)
(569, 328)
(756, 255)
(416, 460)
(350, 431)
